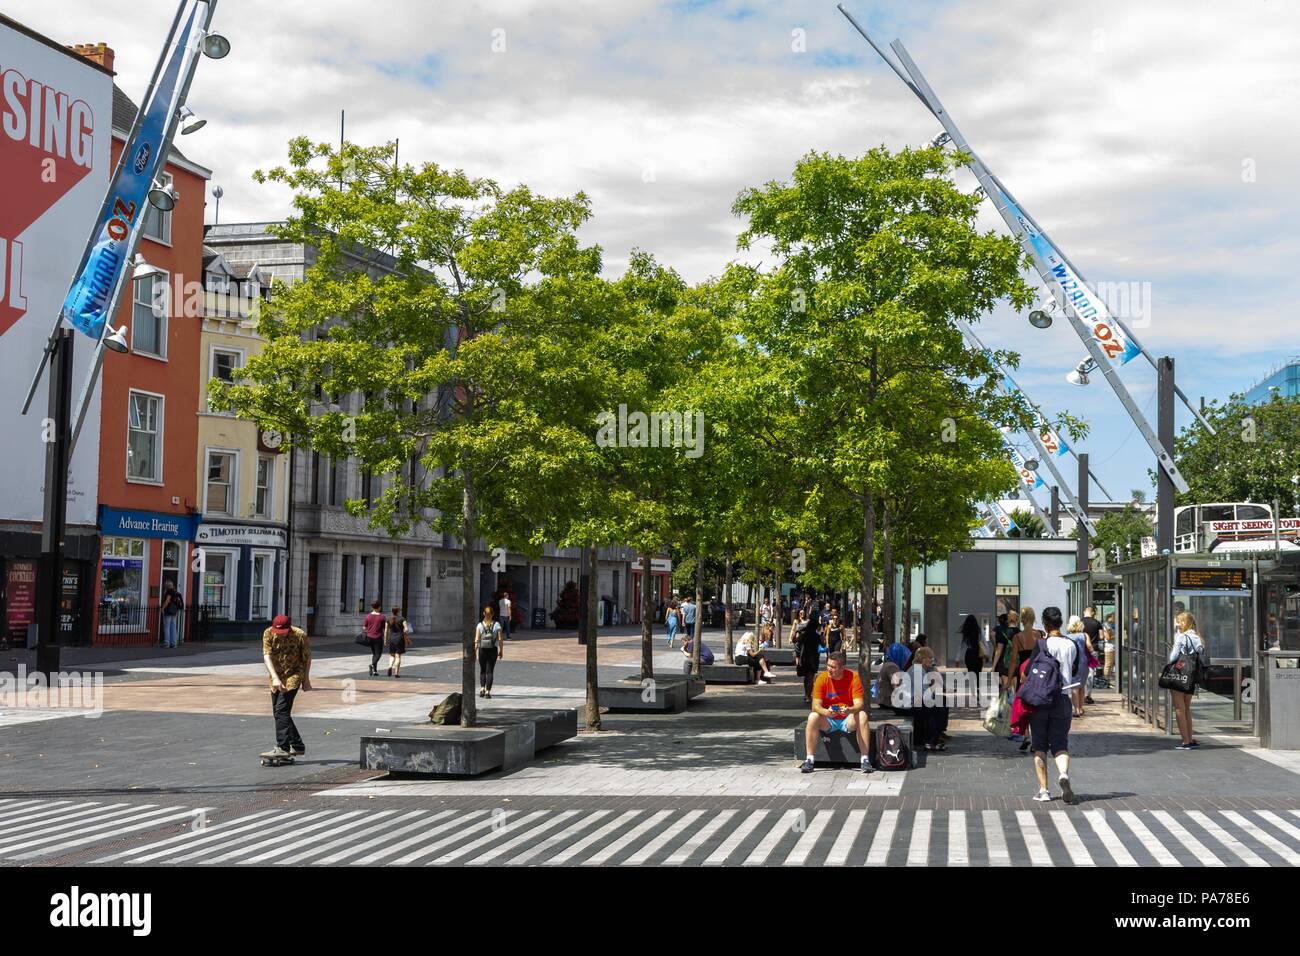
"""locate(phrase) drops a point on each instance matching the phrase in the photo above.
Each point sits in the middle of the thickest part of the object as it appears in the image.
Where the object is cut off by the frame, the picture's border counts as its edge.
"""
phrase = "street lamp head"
(1031, 464)
(938, 141)
(1079, 376)
(215, 46)
(116, 340)
(163, 199)
(193, 127)
(1041, 317)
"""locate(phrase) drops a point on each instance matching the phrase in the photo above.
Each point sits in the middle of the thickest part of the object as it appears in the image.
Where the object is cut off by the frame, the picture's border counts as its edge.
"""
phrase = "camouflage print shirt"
(290, 655)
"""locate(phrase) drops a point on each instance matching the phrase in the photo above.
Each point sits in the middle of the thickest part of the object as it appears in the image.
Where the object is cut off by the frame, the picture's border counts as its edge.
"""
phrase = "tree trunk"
(906, 633)
(593, 694)
(868, 586)
(468, 613)
(778, 624)
(889, 612)
(647, 620)
(699, 615)
(726, 610)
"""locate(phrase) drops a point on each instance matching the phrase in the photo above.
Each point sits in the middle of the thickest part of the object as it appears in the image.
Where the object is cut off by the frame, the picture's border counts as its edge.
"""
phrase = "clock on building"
(269, 439)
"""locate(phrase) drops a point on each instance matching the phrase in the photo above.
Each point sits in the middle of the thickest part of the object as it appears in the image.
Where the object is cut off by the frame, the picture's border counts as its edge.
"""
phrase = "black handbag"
(363, 639)
(1182, 674)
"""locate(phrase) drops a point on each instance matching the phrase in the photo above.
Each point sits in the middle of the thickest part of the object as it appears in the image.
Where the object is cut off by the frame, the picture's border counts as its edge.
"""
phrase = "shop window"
(122, 597)
(219, 583)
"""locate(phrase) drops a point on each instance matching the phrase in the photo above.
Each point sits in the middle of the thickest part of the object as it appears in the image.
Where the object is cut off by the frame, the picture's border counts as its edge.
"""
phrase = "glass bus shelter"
(1224, 596)
(1098, 590)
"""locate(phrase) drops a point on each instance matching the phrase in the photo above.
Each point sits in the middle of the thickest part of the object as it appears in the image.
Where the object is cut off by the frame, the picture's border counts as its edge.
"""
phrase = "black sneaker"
(866, 766)
(807, 765)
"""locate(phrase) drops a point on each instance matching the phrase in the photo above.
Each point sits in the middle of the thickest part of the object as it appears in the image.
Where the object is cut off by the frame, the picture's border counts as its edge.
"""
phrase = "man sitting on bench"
(838, 704)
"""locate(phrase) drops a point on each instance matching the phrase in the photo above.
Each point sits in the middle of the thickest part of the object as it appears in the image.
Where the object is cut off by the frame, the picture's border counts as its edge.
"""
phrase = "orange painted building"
(148, 445)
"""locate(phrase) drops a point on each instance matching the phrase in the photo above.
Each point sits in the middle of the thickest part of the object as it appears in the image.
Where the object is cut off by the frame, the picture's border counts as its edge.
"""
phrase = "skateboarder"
(287, 655)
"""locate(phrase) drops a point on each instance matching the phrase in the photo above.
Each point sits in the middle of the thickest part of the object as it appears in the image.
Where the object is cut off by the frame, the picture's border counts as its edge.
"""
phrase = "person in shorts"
(1049, 726)
(838, 704)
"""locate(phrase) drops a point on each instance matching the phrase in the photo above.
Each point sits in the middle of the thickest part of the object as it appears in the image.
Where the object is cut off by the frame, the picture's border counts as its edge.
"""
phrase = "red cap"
(281, 624)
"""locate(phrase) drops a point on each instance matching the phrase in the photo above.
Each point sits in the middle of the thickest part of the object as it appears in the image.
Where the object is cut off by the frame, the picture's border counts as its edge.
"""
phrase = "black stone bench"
(839, 747)
(723, 673)
(662, 697)
(505, 740)
(778, 655)
(695, 685)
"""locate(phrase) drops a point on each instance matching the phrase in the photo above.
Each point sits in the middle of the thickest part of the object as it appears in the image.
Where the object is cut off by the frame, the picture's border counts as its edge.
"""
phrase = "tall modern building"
(1283, 380)
(337, 563)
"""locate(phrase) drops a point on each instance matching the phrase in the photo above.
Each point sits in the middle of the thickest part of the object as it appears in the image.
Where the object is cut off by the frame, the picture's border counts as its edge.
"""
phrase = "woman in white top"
(1185, 640)
(747, 653)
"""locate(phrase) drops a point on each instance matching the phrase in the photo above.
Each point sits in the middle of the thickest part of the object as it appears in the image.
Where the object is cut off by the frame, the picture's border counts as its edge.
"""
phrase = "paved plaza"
(168, 774)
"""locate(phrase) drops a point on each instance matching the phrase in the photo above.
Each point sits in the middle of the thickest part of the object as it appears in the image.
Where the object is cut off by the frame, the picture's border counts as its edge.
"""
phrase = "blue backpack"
(1042, 684)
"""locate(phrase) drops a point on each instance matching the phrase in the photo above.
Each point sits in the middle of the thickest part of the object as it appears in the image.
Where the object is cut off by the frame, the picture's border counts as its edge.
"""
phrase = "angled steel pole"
(1042, 515)
(1002, 199)
(1045, 456)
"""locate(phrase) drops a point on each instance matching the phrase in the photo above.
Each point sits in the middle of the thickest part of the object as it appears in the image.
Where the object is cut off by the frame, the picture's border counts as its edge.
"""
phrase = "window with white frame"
(221, 484)
(219, 582)
(149, 314)
(263, 581)
(265, 500)
(225, 362)
(158, 224)
(144, 437)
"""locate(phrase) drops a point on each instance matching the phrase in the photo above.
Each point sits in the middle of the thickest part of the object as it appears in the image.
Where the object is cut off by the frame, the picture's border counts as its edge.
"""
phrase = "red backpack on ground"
(891, 752)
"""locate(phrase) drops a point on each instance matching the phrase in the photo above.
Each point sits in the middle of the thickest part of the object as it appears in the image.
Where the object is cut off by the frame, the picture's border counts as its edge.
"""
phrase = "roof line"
(42, 38)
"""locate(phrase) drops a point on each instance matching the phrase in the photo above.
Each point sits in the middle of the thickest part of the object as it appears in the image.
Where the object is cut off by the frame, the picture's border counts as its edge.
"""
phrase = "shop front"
(19, 561)
(1223, 597)
(140, 553)
(239, 576)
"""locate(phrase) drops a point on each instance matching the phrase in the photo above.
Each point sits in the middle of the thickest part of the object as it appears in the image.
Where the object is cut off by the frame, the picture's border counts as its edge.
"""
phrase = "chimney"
(100, 53)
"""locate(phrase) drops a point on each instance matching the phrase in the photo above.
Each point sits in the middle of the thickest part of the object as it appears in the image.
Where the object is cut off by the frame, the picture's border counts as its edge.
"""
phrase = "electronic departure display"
(1210, 579)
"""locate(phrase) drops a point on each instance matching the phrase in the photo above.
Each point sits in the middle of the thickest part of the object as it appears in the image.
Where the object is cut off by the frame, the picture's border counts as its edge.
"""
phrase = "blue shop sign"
(145, 524)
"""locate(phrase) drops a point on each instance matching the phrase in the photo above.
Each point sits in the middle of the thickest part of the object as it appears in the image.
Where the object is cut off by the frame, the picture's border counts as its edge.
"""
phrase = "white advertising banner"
(55, 129)
(259, 536)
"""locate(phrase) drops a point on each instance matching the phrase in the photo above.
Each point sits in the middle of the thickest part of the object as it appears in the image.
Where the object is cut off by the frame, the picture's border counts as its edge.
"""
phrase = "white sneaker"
(1042, 796)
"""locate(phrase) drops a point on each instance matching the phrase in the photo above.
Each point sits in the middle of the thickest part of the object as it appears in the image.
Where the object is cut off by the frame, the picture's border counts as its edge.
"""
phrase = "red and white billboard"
(55, 128)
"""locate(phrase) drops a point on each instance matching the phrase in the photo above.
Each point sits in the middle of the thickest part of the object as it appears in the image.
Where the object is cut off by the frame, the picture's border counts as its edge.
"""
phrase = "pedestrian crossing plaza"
(309, 834)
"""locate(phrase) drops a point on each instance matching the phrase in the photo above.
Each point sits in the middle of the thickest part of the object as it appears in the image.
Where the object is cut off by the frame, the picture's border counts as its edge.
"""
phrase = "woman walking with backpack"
(489, 647)
(1186, 641)
(1046, 687)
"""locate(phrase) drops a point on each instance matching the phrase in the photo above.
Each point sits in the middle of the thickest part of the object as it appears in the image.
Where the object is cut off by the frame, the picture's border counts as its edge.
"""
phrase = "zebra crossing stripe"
(285, 821)
(590, 840)
(142, 821)
(1079, 854)
(101, 816)
(1196, 848)
(995, 839)
(1148, 839)
(299, 835)
(424, 834)
(191, 837)
(785, 824)
(737, 836)
(883, 838)
(1273, 843)
(662, 840)
(627, 839)
(14, 809)
(495, 832)
(1038, 854)
(33, 823)
(687, 849)
(509, 845)
(958, 853)
(348, 836)
(839, 855)
(1097, 820)
(799, 854)
(918, 851)
(551, 842)
(421, 823)
(1244, 853)
(1277, 821)
(345, 823)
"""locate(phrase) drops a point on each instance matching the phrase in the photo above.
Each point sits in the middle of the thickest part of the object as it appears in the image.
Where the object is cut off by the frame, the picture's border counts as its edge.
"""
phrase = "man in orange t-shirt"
(838, 704)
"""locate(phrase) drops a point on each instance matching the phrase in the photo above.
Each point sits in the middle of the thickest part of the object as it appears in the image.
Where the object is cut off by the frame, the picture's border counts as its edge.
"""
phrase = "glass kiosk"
(1222, 596)
(1099, 590)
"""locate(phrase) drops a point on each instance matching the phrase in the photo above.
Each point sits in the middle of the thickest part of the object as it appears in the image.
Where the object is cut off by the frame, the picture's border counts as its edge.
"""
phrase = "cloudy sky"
(1154, 141)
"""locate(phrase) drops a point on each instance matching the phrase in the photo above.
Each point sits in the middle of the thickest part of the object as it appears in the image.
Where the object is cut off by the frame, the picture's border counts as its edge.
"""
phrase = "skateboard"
(272, 759)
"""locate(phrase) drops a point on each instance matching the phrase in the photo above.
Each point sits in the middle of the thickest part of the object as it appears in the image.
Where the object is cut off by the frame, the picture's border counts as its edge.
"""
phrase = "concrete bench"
(778, 655)
(506, 739)
(696, 685)
(723, 673)
(838, 747)
(664, 697)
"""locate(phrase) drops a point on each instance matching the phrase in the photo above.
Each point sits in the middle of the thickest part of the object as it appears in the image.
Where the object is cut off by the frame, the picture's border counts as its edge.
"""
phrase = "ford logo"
(142, 158)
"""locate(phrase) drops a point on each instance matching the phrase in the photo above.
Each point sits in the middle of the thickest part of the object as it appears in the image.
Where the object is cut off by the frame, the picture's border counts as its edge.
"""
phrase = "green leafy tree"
(1254, 454)
(468, 347)
(1123, 530)
(1029, 525)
